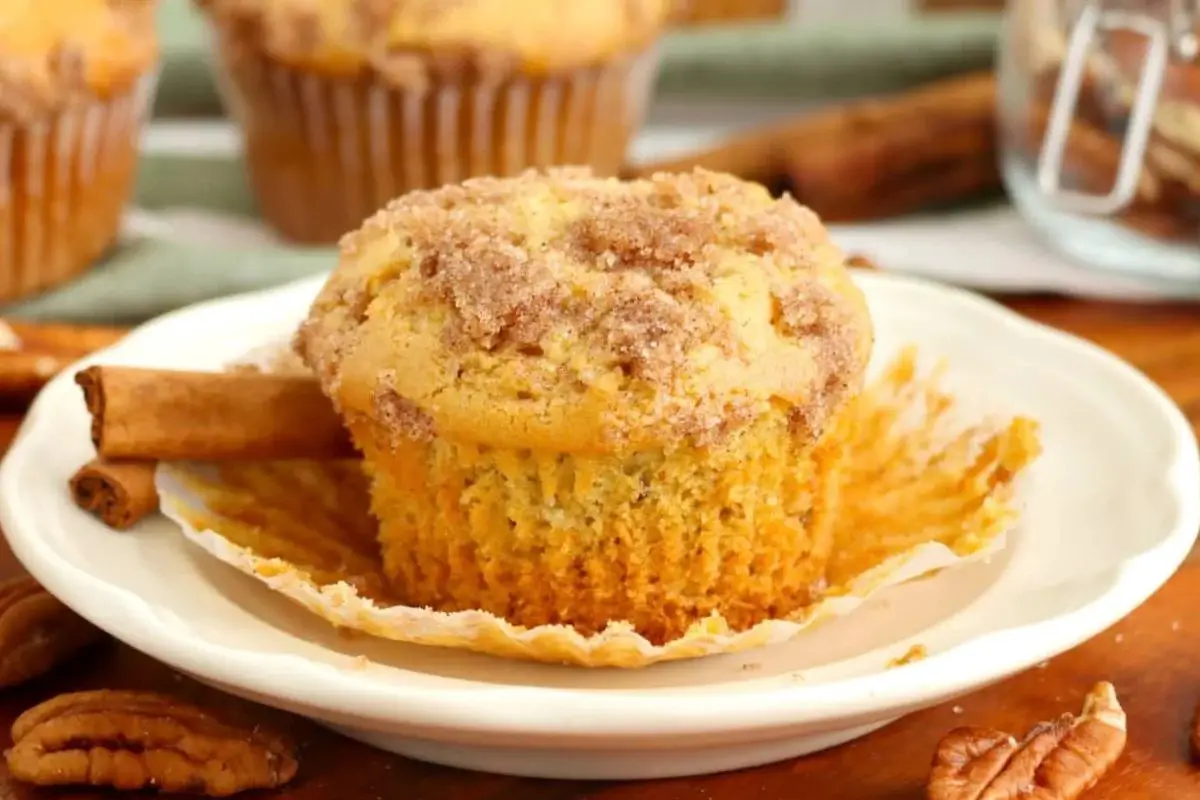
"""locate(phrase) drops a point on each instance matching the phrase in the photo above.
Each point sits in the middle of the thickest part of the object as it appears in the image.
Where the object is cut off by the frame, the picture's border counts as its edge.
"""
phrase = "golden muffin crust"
(577, 314)
(405, 40)
(54, 52)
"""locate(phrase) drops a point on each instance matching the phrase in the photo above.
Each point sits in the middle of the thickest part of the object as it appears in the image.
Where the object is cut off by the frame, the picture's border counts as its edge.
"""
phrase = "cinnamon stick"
(1091, 155)
(166, 415)
(871, 158)
(120, 493)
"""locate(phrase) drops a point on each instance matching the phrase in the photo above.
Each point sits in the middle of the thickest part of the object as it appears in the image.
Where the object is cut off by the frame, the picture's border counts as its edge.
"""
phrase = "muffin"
(583, 401)
(346, 104)
(76, 81)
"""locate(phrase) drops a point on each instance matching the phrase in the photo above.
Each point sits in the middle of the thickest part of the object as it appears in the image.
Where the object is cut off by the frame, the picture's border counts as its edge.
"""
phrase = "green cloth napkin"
(148, 276)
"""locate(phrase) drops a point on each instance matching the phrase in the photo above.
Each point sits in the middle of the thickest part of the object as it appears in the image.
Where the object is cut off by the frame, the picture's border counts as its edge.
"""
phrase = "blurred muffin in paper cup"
(346, 104)
(76, 82)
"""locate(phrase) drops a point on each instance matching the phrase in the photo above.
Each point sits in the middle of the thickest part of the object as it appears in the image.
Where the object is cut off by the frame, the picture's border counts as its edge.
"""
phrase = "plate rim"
(622, 713)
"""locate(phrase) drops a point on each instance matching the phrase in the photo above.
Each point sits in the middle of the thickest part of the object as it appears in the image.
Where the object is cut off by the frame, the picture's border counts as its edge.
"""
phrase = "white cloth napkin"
(993, 250)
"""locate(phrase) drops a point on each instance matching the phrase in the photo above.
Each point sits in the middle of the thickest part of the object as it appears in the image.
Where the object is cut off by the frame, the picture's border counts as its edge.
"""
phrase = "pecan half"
(37, 632)
(1057, 760)
(135, 740)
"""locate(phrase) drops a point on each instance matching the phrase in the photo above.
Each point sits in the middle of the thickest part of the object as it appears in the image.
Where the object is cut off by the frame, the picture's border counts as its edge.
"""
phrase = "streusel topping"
(56, 52)
(674, 308)
(407, 40)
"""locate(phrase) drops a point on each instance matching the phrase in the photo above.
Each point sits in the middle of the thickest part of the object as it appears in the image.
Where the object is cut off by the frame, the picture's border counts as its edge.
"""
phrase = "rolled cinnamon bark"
(871, 158)
(165, 415)
(120, 493)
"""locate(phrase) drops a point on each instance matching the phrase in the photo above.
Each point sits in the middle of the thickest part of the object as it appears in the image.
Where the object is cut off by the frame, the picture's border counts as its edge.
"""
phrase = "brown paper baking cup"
(929, 487)
(326, 152)
(64, 182)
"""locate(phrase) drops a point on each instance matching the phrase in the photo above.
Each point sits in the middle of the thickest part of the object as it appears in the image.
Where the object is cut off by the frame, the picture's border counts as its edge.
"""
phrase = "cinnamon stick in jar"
(167, 415)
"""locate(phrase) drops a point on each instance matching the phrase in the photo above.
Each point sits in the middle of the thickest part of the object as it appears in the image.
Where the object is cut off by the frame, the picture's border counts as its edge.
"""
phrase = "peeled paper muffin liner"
(926, 491)
(326, 152)
(64, 183)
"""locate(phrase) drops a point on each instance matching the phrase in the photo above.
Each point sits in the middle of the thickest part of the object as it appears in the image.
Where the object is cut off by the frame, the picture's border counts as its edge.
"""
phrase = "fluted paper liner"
(925, 491)
(324, 152)
(64, 182)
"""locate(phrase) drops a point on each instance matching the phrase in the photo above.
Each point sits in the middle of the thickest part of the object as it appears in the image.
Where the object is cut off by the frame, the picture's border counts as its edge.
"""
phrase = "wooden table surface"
(1152, 657)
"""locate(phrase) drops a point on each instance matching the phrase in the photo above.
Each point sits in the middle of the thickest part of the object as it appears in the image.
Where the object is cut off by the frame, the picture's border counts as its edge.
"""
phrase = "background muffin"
(585, 401)
(346, 104)
(76, 80)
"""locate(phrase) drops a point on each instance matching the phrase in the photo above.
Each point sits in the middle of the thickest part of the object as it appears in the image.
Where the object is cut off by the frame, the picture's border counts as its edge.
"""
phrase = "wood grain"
(1152, 657)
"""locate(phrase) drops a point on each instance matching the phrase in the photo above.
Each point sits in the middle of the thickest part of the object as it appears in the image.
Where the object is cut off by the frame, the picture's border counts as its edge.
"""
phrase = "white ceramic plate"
(1111, 510)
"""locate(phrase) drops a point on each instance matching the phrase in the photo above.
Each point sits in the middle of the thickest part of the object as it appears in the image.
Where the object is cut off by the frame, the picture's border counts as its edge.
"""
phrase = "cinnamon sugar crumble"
(810, 310)
(643, 251)
(711, 420)
(324, 364)
(624, 233)
(400, 414)
(617, 276)
(500, 293)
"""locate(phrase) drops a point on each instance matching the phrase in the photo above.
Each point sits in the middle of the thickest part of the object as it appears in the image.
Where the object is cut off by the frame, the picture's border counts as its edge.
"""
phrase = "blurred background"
(1033, 146)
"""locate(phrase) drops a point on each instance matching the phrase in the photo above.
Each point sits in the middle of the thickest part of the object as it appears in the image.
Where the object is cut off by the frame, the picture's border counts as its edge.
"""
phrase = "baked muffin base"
(325, 152)
(64, 183)
(661, 540)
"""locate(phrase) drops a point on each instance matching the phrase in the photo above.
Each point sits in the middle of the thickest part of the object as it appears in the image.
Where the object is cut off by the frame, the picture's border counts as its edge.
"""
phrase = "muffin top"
(406, 40)
(56, 52)
(568, 312)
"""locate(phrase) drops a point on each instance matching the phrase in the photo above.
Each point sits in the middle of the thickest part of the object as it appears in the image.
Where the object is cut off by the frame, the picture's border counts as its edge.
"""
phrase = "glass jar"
(1100, 129)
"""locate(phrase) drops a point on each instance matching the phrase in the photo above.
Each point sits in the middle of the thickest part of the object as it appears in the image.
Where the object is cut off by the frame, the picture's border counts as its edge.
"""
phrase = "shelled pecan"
(1057, 760)
(37, 632)
(137, 740)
